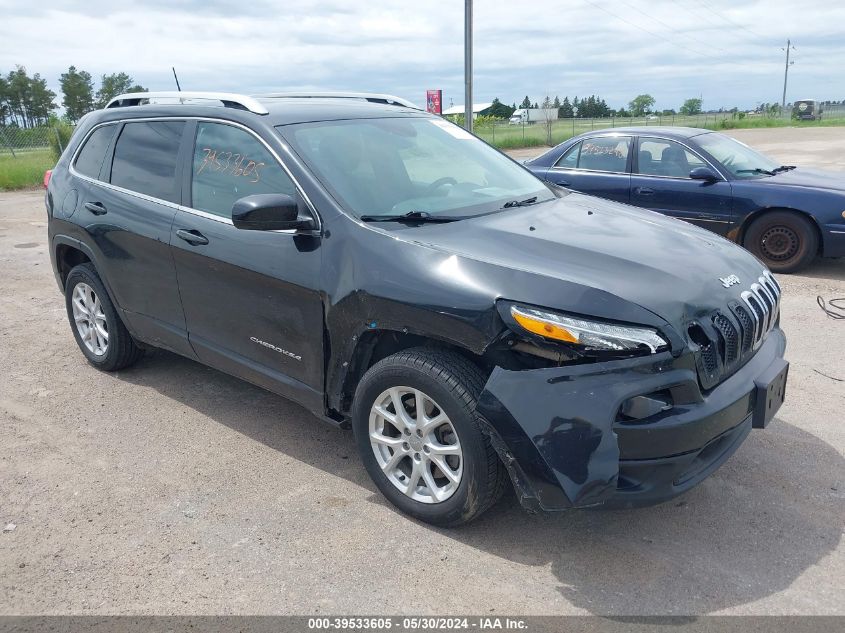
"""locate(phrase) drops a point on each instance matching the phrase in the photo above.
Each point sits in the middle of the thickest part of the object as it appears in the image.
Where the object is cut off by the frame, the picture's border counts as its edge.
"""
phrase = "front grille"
(737, 332)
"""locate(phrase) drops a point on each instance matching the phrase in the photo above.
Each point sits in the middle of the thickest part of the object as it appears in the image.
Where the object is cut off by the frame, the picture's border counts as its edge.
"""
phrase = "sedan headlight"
(594, 335)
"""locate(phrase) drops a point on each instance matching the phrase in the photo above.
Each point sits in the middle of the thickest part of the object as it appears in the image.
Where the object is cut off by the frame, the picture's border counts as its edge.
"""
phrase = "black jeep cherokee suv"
(395, 274)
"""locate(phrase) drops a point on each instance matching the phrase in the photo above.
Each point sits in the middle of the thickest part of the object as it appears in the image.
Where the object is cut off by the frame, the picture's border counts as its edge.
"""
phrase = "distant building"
(477, 109)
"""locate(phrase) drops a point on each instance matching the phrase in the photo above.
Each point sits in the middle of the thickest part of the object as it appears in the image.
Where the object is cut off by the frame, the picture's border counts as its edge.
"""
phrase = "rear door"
(598, 166)
(661, 182)
(127, 211)
(250, 297)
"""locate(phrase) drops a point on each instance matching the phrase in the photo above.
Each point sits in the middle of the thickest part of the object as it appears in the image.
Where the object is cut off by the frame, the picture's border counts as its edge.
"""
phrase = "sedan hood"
(812, 178)
(666, 266)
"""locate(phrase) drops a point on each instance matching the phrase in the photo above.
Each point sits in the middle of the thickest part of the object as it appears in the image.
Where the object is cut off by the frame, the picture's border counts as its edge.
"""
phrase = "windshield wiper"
(520, 203)
(756, 170)
(778, 170)
(417, 217)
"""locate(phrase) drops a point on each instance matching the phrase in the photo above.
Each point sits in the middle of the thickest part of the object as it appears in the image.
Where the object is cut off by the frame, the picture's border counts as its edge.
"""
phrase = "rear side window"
(608, 153)
(570, 159)
(229, 164)
(145, 158)
(90, 159)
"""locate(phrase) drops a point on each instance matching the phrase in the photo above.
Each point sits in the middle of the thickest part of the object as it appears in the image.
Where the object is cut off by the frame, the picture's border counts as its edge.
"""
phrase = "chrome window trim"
(191, 210)
(682, 144)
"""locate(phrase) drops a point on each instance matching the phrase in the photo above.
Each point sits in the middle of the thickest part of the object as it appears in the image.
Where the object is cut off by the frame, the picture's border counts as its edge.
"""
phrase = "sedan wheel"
(786, 241)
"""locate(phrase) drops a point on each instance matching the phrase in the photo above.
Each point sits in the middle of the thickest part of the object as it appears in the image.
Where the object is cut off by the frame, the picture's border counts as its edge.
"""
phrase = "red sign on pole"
(434, 101)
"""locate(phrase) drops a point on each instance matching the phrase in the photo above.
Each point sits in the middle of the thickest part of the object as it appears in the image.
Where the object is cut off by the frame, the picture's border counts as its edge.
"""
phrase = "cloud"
(673, 49)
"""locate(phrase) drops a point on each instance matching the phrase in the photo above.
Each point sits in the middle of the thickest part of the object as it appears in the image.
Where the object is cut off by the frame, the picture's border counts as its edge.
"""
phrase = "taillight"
(47, 175)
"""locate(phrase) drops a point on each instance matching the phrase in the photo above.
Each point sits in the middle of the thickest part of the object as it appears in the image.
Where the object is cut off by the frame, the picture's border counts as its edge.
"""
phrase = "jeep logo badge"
(730, 280)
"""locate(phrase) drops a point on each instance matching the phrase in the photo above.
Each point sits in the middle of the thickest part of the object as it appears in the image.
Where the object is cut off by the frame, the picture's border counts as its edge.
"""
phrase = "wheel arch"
(68, 256)
(374, 345)
(738, 234)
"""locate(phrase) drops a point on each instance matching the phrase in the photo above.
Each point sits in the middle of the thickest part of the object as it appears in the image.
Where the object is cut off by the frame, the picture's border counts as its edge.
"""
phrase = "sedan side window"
(569, 160)
(606, 153)
(661, 157)
(230, 163)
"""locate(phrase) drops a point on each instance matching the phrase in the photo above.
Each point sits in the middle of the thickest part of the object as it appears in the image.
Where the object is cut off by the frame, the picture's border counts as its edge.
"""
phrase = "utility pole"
(786, 75)
(468, 65)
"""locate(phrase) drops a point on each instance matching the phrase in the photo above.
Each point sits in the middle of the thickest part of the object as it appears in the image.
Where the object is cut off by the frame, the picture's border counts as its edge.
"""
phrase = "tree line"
(26, 101)
(593, 107)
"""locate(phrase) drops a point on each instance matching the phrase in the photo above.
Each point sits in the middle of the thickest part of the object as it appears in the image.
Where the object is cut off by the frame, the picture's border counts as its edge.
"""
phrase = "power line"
(672, 28)
(652, 33)
(729, 21)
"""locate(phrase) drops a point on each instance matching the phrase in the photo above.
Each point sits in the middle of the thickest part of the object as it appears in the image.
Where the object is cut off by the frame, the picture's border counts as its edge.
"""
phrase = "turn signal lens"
(544, 328)
(595, 335)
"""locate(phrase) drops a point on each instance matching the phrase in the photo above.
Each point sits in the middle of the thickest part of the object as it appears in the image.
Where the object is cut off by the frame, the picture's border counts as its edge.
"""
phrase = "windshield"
(395, 166)
(736, 157)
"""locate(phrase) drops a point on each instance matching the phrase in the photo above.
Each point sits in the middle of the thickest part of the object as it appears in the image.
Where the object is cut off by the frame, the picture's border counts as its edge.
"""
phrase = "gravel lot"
(172, 488)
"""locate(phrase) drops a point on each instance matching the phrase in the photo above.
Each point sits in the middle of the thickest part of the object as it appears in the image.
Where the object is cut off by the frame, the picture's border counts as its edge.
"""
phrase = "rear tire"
(408, 467)
(783, 240)
(98, 330)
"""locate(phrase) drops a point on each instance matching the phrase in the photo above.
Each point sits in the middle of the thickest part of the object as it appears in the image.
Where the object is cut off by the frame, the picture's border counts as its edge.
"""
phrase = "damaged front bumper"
(561, 435)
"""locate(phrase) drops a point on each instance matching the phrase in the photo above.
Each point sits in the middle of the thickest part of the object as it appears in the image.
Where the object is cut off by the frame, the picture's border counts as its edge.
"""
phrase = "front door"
(250, 297)
(661, 182)
(597, 166)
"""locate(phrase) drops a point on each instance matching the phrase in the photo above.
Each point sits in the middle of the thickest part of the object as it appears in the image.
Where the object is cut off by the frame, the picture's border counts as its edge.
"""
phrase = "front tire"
(421, 443)
(783, 240)
(98, 330)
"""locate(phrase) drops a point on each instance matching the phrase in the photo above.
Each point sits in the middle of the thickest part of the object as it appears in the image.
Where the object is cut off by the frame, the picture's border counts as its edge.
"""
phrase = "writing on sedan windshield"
(237, 165)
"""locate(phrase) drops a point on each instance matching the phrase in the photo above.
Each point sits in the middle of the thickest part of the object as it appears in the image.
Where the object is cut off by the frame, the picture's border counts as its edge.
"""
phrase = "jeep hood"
(665, 266)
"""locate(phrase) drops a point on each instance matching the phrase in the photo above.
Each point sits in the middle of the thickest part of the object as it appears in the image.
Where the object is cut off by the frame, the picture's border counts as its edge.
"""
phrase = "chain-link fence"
(19, 142)
(26, 153)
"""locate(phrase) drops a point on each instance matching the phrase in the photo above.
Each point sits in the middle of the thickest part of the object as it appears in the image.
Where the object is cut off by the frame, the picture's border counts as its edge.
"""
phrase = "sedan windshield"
(739, 159)
(416, 167)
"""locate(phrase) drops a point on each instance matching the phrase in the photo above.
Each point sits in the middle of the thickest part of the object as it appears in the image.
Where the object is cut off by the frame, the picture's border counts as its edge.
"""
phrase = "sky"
(728, 53)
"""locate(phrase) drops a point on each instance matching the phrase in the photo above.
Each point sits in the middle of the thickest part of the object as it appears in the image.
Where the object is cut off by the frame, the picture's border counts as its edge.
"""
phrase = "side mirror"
(704, 173)
(269, 212)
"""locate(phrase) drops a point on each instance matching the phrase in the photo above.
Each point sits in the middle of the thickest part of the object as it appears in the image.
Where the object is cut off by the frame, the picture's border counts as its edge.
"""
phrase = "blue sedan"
(784, 214)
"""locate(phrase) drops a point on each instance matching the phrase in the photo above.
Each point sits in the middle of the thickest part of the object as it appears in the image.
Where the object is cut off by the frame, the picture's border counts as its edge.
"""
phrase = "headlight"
(594, 335)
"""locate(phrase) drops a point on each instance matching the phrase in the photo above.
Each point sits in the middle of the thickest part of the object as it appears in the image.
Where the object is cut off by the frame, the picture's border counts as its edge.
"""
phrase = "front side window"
(661, 157)
(736, 157)
(605, 153)
(90, 159)
(230, 163)
(145, 158)
(399, 165)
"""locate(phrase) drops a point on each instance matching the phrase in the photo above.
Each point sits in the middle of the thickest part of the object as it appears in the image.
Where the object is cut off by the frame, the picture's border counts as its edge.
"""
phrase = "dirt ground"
(172, 488)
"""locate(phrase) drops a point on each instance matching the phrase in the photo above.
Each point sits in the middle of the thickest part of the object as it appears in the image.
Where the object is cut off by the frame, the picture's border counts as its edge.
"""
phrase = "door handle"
(97, 208)
(563, 183)
(192, 237)
(644, 191)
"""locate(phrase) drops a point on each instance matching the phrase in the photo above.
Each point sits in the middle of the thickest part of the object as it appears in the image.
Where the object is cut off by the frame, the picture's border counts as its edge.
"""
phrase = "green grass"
(518, 136)
(27, 170)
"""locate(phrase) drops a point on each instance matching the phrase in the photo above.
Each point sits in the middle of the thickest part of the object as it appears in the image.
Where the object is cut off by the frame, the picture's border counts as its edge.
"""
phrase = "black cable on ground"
(835, 308)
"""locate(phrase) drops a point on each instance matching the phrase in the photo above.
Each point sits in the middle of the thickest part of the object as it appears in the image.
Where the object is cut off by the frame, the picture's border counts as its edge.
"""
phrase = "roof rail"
(228, 99)
(366, 96)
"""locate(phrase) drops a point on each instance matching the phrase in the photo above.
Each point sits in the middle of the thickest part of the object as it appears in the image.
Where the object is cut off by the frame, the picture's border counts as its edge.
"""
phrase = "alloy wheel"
(90, 319)
(415, 444)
